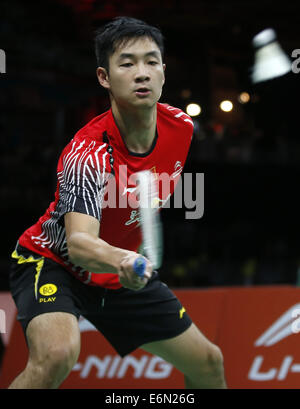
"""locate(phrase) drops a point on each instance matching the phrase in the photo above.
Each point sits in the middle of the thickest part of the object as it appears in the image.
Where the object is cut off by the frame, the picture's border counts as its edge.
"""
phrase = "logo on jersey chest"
(134, 218)
(123, 191)
(134, 188)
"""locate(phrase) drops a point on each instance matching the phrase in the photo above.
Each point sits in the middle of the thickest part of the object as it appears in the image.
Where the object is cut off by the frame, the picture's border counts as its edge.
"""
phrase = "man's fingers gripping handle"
(139, 266)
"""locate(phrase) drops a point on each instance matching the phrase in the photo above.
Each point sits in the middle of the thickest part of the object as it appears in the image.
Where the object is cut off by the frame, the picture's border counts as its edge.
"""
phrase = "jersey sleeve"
(82, 179)
(181, 118)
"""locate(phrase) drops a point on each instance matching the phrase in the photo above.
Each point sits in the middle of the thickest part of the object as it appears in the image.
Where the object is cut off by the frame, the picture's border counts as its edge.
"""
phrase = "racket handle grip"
(139, 266)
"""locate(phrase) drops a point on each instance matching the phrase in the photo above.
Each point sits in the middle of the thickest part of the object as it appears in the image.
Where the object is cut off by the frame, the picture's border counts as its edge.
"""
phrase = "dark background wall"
(249, 233)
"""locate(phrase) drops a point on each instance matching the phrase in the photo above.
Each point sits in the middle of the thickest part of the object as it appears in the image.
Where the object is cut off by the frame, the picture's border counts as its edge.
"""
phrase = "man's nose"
(142, 73)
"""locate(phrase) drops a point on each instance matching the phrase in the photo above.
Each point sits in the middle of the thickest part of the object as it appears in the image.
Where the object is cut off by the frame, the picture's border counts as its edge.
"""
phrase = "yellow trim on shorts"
(39, 265)
(181, 312)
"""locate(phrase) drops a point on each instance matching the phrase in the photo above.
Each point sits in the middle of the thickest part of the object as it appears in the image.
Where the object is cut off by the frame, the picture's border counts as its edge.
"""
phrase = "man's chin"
(142, 103)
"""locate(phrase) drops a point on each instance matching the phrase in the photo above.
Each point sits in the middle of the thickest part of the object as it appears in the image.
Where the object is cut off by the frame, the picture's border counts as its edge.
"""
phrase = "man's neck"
(138, 127)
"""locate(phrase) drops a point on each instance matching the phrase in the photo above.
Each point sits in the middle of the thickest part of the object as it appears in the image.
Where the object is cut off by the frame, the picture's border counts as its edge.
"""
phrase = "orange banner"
(259, 337)
(256, 328)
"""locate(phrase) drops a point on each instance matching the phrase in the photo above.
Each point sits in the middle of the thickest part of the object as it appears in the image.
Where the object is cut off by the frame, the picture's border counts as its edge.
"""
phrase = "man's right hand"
(128, 277)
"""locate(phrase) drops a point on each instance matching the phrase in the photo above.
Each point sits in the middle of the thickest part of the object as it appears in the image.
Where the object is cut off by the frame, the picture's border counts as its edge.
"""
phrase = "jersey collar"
(117, 139)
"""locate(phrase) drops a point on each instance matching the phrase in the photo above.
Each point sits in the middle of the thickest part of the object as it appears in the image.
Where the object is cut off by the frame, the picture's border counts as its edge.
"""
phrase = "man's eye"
(153, 62)
(127, 64)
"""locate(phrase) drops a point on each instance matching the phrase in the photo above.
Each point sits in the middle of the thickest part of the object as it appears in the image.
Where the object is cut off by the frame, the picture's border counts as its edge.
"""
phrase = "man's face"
(136, 74)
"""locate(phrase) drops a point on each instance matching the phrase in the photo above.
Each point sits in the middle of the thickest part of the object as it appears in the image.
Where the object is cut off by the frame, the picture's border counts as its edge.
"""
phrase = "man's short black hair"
(120, 30)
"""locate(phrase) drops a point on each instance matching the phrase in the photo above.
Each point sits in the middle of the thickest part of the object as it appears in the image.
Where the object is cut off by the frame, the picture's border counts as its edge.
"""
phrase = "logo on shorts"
(47, 290)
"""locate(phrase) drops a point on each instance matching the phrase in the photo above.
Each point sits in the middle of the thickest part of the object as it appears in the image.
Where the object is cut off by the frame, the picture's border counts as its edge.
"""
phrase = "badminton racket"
(150, 222)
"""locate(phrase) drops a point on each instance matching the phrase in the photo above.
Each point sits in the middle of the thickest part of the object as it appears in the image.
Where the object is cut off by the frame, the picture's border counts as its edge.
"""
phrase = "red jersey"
(96, 151)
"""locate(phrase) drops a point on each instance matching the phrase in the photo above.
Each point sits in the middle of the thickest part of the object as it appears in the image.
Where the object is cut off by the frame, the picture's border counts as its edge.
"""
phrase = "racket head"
(150, 218)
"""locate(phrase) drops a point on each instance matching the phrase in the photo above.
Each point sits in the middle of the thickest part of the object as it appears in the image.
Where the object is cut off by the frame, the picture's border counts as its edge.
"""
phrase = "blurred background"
(249, 151)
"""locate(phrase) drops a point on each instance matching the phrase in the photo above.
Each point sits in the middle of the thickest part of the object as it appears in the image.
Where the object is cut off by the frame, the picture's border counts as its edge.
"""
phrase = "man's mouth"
(142, 92)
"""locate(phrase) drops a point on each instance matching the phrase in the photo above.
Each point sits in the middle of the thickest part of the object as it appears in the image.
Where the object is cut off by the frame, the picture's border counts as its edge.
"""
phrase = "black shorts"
(126, 318)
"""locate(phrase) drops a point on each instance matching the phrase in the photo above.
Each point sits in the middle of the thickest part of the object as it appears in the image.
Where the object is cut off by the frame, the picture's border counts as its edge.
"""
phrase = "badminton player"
(78, 258)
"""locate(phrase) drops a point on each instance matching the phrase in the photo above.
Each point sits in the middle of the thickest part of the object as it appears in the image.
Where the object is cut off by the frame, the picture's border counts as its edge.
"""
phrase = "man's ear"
(103, 78)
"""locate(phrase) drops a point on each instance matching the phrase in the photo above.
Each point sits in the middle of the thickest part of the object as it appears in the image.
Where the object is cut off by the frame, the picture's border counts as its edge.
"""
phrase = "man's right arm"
(88, 251)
